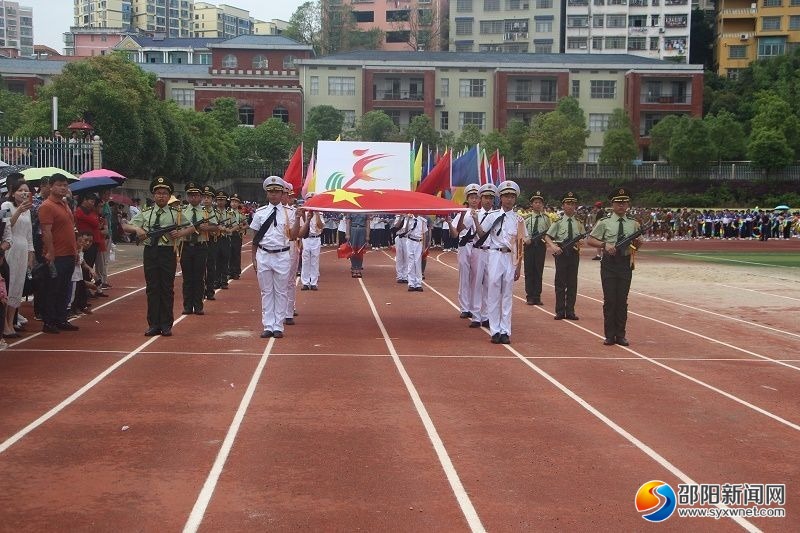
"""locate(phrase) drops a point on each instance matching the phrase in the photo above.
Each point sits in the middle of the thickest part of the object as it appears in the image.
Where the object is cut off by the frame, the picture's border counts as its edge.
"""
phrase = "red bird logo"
(360, 170)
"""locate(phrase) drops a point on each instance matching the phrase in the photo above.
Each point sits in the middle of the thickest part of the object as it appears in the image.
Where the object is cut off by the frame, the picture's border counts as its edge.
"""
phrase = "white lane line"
(708, 386)
(203, 499)
(125, 270)
(461, 495)
(647, 450)
(715, 258)
(771, 295)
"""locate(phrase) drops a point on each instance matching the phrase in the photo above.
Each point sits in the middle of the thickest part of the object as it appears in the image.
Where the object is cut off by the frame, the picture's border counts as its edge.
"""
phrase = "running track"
(382, 411)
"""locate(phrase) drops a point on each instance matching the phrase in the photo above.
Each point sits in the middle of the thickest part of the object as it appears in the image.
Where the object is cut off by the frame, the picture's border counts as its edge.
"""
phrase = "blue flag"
(465, 169)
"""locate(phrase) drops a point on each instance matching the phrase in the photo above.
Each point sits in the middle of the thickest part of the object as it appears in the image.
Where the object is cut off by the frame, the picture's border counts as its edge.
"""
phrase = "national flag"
(465, 169)
(294, 172)
(310, 182)
(438, 179)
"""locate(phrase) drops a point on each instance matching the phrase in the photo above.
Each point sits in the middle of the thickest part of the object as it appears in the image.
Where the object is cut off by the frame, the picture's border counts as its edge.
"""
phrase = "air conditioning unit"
(439, 102)
(661, 30)
(744, 37)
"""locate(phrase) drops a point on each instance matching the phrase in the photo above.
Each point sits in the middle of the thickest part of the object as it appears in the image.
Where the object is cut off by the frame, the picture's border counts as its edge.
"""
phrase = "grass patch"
(750, 259)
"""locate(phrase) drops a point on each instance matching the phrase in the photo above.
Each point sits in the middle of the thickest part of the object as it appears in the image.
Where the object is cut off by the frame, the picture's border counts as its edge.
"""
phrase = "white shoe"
(21, 319)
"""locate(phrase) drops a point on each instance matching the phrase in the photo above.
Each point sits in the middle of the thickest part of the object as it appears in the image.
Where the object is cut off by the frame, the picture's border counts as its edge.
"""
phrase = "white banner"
(363, 165)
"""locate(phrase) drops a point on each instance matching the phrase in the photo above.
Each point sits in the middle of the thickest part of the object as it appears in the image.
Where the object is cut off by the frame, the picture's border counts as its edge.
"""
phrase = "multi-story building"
(748, 30)
(510, 26)
(103, 14)
(269, 27)
(172, 18)
(490, 89)
(88, 42)
(222, 21)
(406, 24)
(649, 28)
(16, 29)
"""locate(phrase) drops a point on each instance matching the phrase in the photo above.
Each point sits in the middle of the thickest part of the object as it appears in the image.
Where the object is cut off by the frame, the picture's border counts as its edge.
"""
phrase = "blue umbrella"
(92, 185)
(781, 208)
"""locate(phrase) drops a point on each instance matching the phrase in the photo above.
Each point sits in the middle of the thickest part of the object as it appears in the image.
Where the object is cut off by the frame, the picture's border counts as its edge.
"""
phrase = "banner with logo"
(362, 165)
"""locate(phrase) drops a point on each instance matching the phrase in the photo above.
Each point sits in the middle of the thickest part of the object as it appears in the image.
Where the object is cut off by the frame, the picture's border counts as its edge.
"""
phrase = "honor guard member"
(223, 240)
(462, 228)
(417, 231)
(210, 212)
(274, 230)
(480, 316)
(159, 255)
(312, 243)
(194, 252)
(537, 224)
(238, 227)
(504, 233)
(616, 267)
(294, 253)
(565, 229)
(400, 256)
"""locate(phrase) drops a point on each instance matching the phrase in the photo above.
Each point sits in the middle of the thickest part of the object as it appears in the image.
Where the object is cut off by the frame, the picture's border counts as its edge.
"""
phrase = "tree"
(496, 140)
(516, 133)
(690, 146)
(619, 119)
(554, 141)
(726, 135)
(769, 149)
(661, 135)
(327, 120)
(375, 126)
(13, 106)
(774, 113)
(571, 109)
(470, 136)
(619, 146)
(422, 131)
(305, 25)
(226, 112)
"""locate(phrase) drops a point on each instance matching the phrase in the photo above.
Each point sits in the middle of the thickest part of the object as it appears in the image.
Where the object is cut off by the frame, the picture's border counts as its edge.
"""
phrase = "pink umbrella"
(104, 173)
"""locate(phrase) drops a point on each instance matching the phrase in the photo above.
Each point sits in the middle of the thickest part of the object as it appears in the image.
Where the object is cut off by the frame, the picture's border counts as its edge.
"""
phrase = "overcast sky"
(51, 18)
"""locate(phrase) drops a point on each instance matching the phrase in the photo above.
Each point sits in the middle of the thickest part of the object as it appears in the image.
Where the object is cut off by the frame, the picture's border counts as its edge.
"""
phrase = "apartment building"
(490, 89)
(508, 26)
(269, 27)
(406, 24)
(747, 31)
(16, 29)
(222, 21)
(172, 18)
(103, 14)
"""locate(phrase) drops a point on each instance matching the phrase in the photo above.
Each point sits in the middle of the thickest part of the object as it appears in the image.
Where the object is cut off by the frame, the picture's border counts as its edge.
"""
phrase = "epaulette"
(146, 209)
(263, 207)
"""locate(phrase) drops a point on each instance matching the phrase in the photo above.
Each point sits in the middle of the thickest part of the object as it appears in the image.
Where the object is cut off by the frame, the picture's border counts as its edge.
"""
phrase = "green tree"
(570, 108)
(496, 140)
(769, 149)
(375, 126)
(422, 131)
(726, 135)
(619, 119)
(469, 137)
(554, 141)
(774, 113)
(690, 146)
(274, 141)
(516, 133)
(226, 112)
(619, 146)
(305, 25)
(14, 107)
(326, 120)
(661, 135)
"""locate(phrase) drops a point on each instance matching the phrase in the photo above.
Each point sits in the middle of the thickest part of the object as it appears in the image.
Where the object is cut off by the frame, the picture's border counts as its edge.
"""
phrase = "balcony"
(393, 95)
(737, 13)
(531, 96)
(666, 99)
(515, 36)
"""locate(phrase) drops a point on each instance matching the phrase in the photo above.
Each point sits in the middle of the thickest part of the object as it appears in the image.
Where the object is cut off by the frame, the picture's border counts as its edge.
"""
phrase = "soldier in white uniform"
(274, 229)
(400, 261)
(294, 254)
(462, 228)
(505, 235)
(480, 317)
(416, 234)
(309, 271)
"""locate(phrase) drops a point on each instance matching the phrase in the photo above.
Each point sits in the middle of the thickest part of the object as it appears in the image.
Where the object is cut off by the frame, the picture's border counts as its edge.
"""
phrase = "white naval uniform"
(400, 257)
(272, 268)
(309, 271)
(501, 266)
(294, 255)
(415, 240)
(466, 261)
(481, 284)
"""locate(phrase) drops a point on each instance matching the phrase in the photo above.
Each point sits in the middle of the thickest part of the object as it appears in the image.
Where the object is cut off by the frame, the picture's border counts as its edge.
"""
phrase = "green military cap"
(208, 190)
(235, 196)
(569, 197)
(161, 182)
(192, 187)
(621, 195)
(221, 195)
(537, 196)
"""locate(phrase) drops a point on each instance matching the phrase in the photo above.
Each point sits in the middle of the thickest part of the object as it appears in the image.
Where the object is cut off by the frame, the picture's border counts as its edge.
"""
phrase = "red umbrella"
(104, 173)
(80, 125)
(121, 199)
(381, 201)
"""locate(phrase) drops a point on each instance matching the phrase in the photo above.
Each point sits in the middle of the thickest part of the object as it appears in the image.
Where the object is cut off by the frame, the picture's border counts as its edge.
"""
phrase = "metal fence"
(72, 155)
(731, 170)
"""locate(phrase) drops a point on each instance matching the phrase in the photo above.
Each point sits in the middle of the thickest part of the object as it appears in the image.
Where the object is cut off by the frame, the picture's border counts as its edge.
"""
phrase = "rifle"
(568, 245)
(156, 234)
(627, 241)
(538, 236)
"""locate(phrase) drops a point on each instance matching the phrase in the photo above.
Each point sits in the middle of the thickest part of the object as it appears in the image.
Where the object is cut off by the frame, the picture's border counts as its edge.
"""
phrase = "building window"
(492, 27)
(773, 3)
(444, 121)
(341, 86)
(398, 36)
(593, 154)
(349, 118)
(445, 87)
(615, 43)
(771, 46)
(794, 22)
(598, 121)
(364, 16)
(637, 43)
(229, 61)
(616, 21)
(464, 46)
(464, 6)
(471, 117)
(597, 43)
(770, 23)
(183, 97)
(281, 113)
(491, 5)
(314, 85)
(474, 88)
(606, 89)
(637, 21)
(576, 89)
(654, 43)
(542, 46)
(394, 115)
(246, 115)
(597, 21)
(543, 25)
(576, 43)
(544, 4)
(654, 20)
(577, 21)
(463, 26)
(288, 62)
(260, 62)
(737, 51)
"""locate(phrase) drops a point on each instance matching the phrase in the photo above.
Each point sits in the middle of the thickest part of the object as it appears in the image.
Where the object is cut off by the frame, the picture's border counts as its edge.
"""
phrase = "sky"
(51, 18)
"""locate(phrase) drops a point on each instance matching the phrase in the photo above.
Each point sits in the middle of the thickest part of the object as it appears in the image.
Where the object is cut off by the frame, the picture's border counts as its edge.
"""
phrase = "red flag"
(494, 163)
(294, 172)
(438, 179)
